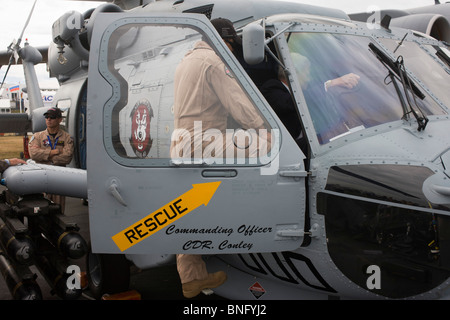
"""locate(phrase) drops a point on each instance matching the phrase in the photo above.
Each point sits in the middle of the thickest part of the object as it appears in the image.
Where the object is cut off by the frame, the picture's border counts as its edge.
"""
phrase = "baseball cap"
(53, 112)
(225, 29)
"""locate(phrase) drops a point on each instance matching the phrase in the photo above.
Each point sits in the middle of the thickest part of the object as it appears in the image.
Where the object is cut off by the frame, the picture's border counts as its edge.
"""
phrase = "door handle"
(113, 188)
(293, 173)
(211, 173)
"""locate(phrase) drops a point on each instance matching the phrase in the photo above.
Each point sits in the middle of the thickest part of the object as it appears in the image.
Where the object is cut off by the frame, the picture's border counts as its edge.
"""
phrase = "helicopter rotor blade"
(15, 46)
(26, 24)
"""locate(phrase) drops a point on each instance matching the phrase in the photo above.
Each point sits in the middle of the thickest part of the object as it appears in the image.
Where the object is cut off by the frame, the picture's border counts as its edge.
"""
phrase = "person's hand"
(16, 161)
(54, 152)
(348, 81)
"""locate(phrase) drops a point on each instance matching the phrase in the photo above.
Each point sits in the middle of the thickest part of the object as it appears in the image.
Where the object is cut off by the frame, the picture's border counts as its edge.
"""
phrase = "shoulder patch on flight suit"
(228, 72)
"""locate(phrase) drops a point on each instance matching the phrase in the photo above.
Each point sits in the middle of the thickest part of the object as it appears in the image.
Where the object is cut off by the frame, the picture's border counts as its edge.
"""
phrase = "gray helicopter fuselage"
(359, 209)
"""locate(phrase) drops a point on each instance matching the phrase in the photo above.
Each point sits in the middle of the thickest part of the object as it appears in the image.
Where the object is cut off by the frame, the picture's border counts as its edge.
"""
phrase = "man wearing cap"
(226, 30)
(52, 146)
(260, 72)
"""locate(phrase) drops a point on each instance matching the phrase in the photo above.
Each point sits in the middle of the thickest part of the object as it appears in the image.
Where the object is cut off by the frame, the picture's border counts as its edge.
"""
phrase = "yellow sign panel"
(161, 218)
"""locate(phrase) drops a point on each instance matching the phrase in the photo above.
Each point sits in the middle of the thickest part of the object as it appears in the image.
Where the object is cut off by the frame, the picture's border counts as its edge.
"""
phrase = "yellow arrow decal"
(161, 218)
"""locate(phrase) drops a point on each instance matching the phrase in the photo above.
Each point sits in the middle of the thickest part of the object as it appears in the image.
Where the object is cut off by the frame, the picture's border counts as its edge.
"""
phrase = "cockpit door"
(145, 200)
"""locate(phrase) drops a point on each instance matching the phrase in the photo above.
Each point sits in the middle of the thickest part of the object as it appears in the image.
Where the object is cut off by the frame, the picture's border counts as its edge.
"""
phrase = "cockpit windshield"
(419, 62)
(346, 88)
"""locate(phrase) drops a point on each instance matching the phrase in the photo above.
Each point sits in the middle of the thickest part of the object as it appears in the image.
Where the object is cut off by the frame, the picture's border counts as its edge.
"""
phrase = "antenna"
(386, 21)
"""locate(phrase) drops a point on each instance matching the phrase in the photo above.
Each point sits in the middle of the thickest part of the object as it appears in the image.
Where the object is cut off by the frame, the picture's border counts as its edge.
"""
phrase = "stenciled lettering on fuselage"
(287, 262)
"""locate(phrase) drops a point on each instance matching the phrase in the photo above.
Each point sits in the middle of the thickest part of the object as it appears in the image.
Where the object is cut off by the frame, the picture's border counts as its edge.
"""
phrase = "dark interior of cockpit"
(269, 76)
(371, 221)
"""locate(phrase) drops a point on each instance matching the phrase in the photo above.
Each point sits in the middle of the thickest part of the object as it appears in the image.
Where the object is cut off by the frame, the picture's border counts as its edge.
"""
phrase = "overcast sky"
(14, 13)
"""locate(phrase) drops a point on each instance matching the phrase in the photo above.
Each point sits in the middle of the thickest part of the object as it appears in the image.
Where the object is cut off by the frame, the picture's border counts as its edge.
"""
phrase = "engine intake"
(434, 25)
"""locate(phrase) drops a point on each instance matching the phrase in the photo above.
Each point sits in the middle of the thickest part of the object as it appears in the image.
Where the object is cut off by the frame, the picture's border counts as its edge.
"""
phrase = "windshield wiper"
(397, 71)
(422, 119)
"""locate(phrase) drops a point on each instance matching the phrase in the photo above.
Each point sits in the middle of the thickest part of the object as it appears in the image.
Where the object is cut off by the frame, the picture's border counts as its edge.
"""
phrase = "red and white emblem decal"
(140, 140)
(257, 290)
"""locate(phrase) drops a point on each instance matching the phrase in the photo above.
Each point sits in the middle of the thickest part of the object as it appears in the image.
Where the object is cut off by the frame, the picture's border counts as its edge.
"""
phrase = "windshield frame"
(120, 99)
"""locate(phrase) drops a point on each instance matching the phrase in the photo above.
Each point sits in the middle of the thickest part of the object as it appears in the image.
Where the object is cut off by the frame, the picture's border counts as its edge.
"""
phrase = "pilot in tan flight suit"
(52, 146)
(206, 91)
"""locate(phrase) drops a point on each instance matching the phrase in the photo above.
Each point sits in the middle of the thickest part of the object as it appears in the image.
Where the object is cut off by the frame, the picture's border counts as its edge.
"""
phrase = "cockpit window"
(168, 110)
(419, 62)
(442, 52)
(346, 88)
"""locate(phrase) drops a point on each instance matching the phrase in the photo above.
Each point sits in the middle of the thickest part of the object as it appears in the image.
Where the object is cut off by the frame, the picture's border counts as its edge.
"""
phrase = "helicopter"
(358, 211)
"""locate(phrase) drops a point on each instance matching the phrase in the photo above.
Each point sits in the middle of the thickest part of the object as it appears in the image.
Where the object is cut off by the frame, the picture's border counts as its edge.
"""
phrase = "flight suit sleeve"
(65, 155)
(233, 97)
(3, 166)
(37, 151)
